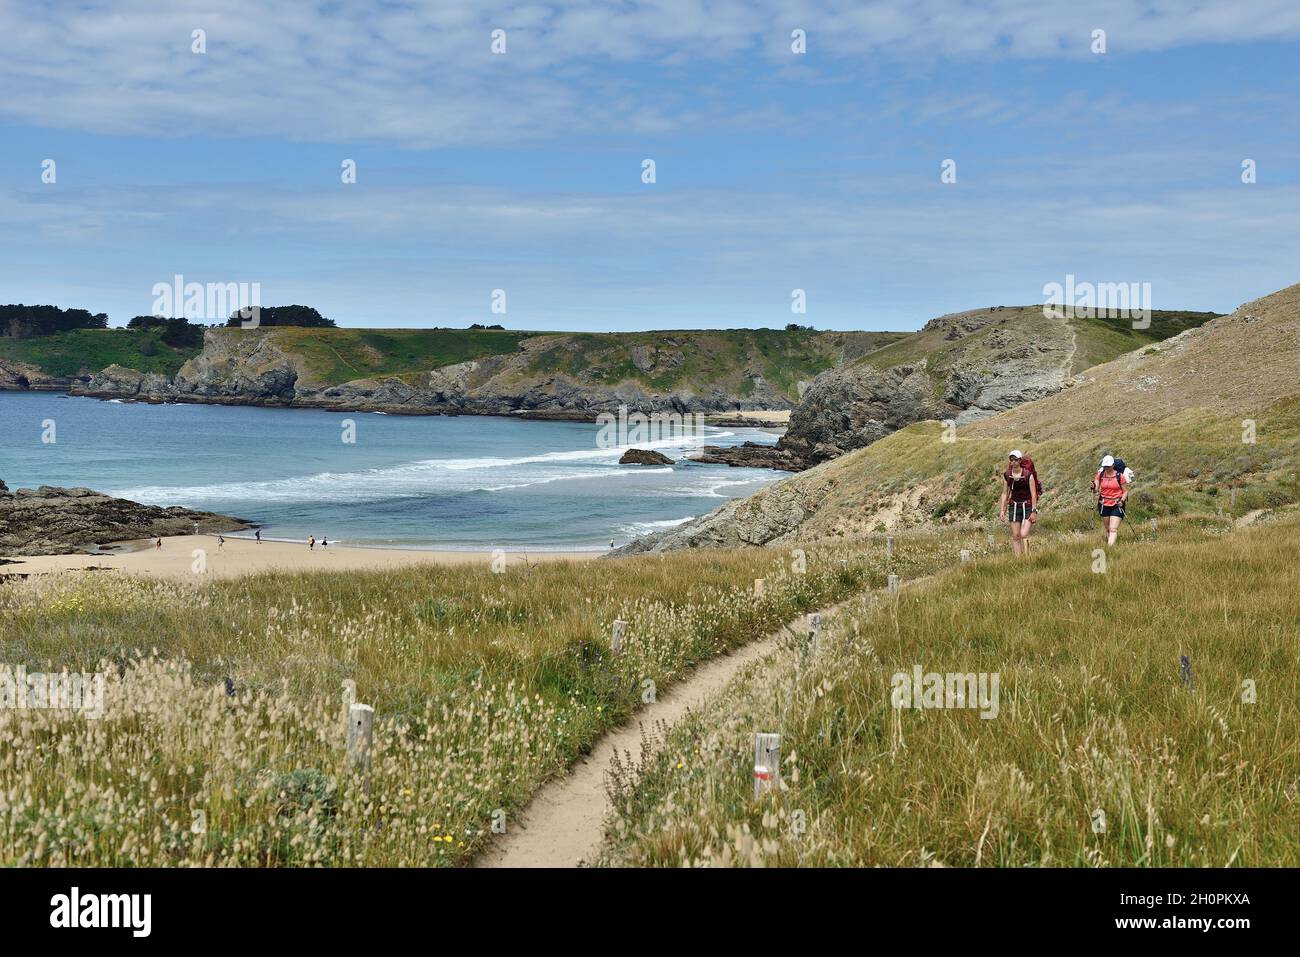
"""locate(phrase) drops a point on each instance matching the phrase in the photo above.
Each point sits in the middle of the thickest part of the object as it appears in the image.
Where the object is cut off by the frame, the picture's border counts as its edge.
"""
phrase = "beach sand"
(759, 418)
(241, 556)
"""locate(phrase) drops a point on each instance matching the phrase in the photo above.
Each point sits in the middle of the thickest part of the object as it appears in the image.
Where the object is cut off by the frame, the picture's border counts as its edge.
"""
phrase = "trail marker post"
(767, 763)
(349, 699)
(965, 554)
(616, 635)
(893, 584)
(361, 736)
(814, 630)
(758, 587)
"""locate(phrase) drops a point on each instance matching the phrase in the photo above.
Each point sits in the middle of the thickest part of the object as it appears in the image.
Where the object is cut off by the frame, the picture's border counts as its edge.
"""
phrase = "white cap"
(1107, 461)
(1015, 454)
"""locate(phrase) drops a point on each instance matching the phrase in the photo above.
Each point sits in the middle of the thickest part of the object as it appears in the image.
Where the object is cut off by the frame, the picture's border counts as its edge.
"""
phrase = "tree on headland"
(178, 333)
(285, 316)
(21, 322)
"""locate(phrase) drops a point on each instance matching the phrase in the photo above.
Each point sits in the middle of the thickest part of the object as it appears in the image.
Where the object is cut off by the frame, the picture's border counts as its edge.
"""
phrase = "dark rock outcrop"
(749, 455)
(644, 457)
(58, 521)
(969, 366)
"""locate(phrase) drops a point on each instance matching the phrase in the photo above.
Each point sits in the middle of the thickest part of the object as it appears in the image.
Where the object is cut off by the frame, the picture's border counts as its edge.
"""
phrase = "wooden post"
(616, 635)
(965, 554)
(1153, 524)
(758, 587)
(893, 584)
(990, 538)
(349, 699)
(361, 735)
(767, 763)
(815, 622)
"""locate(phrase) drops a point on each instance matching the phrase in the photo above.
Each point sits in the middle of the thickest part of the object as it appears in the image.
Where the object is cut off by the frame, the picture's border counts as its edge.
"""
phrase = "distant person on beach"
(311, 543)
(221, 542)
(158, 544)
(611, 543)
(258, 535)
(1019, 504)
(1111, 486)
(324, 541)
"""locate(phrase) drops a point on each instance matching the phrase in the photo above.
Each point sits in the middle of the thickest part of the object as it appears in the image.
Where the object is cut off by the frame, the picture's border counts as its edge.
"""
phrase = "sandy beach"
(241, 556)
(757, 418)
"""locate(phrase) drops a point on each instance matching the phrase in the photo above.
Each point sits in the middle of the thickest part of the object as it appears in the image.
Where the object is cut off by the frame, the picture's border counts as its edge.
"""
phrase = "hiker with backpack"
(1019, 504)
(1111, 485)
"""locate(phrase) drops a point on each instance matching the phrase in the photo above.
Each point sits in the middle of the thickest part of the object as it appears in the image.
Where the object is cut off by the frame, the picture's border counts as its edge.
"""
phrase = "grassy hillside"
(1094, 725)
(335, 356)
(83, 352)
(728, 358)
(484, 686)
(1096, 339)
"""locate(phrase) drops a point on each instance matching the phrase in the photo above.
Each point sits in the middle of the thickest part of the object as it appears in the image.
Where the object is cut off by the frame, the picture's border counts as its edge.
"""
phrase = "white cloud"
(424, 75)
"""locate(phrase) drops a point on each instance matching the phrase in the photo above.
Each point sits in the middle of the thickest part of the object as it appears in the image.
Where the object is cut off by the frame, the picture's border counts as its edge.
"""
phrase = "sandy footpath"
(240, 556)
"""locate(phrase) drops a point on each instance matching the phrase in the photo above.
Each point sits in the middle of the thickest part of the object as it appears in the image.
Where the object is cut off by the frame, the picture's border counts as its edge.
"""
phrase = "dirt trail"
(562, 824)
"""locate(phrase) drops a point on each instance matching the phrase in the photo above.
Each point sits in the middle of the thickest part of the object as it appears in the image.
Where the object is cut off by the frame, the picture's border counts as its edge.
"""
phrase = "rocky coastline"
(59, 521)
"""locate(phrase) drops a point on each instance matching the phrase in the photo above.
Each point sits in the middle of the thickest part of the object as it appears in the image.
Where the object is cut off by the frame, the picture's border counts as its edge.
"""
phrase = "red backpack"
(1027, 464)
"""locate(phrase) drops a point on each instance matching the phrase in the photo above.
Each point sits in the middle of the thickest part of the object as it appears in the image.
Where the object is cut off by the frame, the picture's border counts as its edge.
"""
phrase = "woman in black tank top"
(1019, 502)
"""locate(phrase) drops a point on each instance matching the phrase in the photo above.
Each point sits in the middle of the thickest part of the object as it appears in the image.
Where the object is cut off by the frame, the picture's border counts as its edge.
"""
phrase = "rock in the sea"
(750, 455)
(644, 457)
(58, 521)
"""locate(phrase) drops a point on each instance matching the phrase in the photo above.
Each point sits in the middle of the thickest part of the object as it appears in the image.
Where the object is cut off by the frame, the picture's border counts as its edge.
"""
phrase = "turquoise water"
(407, 481)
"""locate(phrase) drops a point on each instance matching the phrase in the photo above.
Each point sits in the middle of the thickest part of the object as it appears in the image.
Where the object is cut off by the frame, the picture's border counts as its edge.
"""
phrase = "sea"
(437, 482)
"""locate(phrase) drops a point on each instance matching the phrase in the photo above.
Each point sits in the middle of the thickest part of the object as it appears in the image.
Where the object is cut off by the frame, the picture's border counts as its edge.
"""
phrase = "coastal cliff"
(542, 375)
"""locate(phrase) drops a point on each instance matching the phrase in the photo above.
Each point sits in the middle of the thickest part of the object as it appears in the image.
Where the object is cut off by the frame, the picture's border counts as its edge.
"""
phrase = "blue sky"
(522, 171)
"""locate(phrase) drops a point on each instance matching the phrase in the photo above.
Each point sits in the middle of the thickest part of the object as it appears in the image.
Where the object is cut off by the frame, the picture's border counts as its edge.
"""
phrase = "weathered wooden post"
(361, 736)
(814, 631)
(616, 635)
(767, 763)
(965, 554)
(1153, 524)
(349, 699)
(893, 584)
(758, 587)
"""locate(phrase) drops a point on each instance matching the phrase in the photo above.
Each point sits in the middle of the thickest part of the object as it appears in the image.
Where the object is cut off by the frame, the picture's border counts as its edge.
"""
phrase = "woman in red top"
(1112, 494)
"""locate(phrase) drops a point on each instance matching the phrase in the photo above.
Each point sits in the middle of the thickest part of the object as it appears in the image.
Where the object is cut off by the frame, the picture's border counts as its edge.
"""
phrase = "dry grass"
(1094, 717)
(484, 686)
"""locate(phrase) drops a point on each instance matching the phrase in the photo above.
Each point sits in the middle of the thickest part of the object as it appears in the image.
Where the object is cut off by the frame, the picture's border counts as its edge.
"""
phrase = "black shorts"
(1111, 511)
(1018, 511)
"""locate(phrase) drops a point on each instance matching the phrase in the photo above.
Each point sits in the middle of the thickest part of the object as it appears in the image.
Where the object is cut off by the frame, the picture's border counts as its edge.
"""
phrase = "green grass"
(1094, 722)
(86, 351)
(335, 356)
(696, 359)
(1100, 339)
